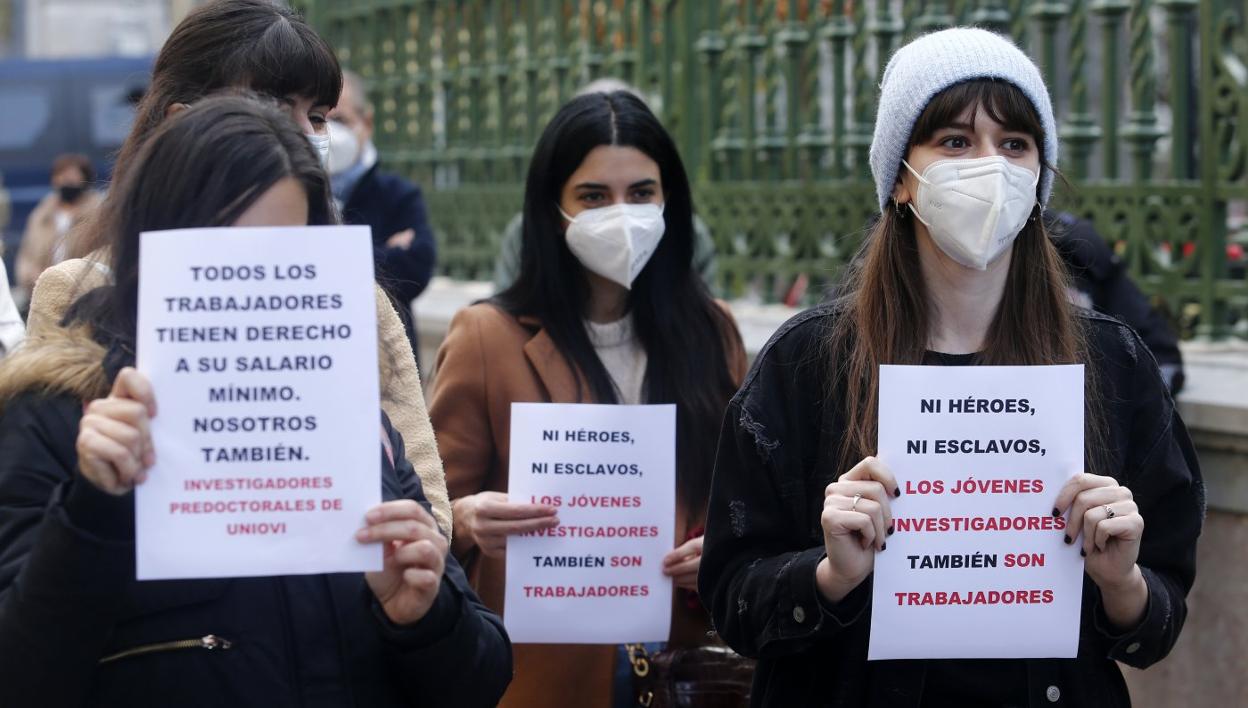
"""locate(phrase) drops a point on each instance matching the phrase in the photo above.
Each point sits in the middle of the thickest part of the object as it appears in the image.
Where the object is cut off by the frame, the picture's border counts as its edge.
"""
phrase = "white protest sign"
(596, 578)
(977, 566)
(261, 344)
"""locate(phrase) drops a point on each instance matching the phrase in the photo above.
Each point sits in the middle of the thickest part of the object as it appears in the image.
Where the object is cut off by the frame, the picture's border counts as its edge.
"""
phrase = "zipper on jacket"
(209, 642)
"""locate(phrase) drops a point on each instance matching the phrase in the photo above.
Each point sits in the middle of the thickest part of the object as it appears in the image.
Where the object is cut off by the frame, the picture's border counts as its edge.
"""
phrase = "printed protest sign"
(977, 566)
(261, 344)
(597, 577)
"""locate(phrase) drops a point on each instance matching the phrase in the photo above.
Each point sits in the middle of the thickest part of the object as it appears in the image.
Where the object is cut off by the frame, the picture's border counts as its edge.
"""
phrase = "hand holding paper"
(683, 562)
(1111, 544)
(488, 518)
(114, 438)
(856, 521)
(414, 559)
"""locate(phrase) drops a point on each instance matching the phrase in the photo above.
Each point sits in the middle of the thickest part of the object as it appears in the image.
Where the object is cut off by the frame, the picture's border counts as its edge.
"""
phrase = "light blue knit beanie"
(934, 62)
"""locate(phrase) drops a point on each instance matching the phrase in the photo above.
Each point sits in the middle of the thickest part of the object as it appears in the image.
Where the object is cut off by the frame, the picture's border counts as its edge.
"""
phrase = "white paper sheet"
(267, 448)
(597, 577)
(1019, 451)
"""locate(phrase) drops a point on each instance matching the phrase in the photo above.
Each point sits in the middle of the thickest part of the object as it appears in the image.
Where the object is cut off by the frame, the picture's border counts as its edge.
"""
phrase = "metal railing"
(772, 103)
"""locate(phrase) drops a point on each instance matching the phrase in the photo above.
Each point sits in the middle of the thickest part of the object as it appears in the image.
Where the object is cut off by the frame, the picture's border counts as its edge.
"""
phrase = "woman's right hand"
(488, 519)
(856, 521)
(114, 438)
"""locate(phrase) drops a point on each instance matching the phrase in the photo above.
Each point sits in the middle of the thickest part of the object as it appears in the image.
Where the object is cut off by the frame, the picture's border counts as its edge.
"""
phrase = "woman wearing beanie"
(958, 271)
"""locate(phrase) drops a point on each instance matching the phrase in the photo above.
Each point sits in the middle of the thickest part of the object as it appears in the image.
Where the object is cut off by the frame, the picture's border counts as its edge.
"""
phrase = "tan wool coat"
(489, 360)
(401, 395)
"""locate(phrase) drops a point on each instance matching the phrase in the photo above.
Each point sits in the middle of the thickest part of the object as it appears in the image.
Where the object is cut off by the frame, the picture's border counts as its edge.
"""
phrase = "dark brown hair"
(240, 147)
(74, 160)
(886, 317)
(261, 45)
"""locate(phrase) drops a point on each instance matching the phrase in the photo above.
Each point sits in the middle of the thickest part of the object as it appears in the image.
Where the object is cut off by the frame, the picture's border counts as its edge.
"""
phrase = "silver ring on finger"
(1109, 512)
(854, 505)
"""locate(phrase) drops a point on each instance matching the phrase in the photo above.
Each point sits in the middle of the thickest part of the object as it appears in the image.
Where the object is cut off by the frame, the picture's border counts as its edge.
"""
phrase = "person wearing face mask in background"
(607, 309)
(958, 271)
(45, 241)
(403, 245)
(264, 47)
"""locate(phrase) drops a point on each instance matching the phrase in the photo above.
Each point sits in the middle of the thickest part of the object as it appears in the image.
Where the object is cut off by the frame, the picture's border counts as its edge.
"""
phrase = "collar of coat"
(58, 361)
(563, 385)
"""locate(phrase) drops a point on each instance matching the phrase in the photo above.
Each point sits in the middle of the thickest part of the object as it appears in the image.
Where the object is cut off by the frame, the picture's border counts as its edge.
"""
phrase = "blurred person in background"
(12, 330)
(1099, 281)
(45, 242)
(403, 246)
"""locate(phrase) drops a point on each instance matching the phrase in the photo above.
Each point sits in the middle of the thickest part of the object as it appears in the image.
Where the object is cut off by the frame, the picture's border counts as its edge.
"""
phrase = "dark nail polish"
(890, 530)
(1083, 553)
(883, 546)
(897, 492)
(1069, 540)
(1056, 512)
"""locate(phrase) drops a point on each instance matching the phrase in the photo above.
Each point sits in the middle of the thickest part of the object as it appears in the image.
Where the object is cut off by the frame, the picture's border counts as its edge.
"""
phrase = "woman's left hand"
(1110, 522)
(682, 563)
(415, 558)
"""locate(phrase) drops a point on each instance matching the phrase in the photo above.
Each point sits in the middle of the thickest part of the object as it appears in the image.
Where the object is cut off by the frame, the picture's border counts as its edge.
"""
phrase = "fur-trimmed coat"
(77, 628)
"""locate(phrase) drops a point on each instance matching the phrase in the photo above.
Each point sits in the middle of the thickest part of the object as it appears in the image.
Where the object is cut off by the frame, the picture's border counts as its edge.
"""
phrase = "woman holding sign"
(958, 271)
(75, 626)
(261, 46)
(607, 309)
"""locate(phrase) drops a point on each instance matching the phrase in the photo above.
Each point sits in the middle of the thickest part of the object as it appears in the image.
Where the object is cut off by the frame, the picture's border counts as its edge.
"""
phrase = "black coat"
(388, 204)
(68, 598)
(763, 537)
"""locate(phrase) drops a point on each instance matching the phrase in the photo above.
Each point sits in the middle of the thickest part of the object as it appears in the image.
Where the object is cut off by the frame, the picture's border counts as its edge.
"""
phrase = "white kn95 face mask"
(974, 208)
(616, 241)
(320, 143)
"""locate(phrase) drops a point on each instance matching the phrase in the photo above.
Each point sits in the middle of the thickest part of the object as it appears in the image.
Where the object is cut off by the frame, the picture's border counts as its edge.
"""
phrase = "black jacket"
(763, 538)
(389, 204)
(68, 598)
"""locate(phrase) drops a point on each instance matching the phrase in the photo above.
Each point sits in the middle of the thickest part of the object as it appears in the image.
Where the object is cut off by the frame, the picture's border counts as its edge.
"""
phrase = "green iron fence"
(772, 104)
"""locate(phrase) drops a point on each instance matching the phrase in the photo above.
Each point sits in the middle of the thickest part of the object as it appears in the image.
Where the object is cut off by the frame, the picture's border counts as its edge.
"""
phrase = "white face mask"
(616, 241)
(321, 144)
(974, 208)
(344, 148)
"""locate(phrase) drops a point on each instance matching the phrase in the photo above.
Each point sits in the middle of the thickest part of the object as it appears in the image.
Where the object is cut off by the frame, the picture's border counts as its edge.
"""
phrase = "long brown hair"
(261, 45)
(885, 312)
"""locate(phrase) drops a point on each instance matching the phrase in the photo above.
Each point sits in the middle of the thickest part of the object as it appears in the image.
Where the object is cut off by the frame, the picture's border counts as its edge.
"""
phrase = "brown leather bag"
(698, 677)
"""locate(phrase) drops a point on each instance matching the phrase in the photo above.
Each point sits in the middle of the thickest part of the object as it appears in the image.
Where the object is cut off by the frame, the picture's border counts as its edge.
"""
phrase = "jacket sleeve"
(1165, 481)
(459, 653)
(66, 557)
(758, 563)
(460, 414)
(407, 270)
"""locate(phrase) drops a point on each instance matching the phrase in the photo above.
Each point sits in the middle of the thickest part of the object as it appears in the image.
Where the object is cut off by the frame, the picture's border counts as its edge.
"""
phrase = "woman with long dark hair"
(957, 271)
(607, 309)
(265, 47)
(76, 628)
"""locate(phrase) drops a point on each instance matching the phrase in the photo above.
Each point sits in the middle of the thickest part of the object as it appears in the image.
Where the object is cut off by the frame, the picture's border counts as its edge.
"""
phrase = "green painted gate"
(772, 104)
